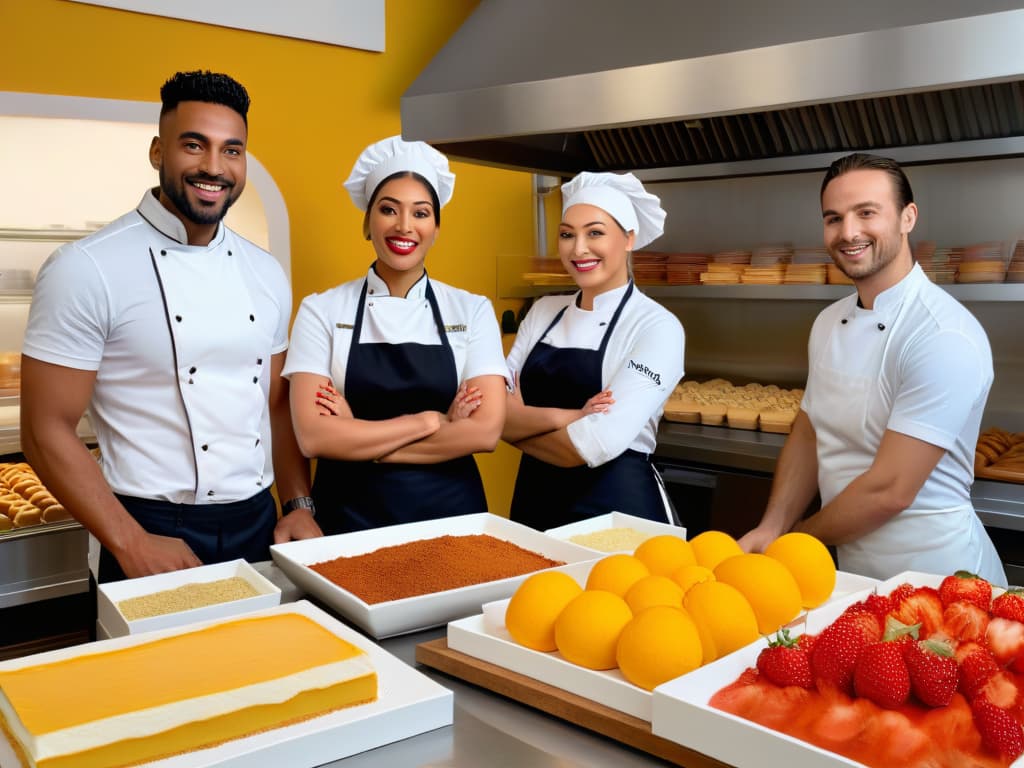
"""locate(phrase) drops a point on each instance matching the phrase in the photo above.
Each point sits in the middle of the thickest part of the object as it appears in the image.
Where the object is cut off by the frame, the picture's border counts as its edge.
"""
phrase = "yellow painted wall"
(314, 108)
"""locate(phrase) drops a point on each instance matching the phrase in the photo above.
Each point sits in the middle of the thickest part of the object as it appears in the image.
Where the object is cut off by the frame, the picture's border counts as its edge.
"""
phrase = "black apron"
(547, 496)
(383, 381)
(216, 533)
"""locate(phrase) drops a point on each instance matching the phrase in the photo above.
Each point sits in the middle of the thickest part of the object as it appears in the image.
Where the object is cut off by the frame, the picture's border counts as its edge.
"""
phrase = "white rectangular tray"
(681, 712)
(110, 594)
(485, 637)
(396, 617)
(615, 520)
(408, 703)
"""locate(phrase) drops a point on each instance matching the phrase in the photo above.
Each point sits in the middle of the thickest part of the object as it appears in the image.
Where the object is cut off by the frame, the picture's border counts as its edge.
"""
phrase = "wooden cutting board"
(555, 701)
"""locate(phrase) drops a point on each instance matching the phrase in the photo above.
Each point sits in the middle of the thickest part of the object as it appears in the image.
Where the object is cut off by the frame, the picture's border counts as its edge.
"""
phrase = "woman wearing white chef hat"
(396, 379)
(593, 370)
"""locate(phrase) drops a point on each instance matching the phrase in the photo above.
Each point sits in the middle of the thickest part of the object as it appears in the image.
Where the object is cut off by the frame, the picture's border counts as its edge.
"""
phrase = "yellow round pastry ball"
(653, 590)
(811, 564)
(689, 575)
(664, 554)
(768, 586)
(616, 573)
(658, 645)
(712, 547)
(531, 613)
(724, 618)
(588, 628)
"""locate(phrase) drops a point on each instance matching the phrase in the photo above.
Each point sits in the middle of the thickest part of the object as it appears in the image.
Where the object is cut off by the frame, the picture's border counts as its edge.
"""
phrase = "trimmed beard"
(201, 216)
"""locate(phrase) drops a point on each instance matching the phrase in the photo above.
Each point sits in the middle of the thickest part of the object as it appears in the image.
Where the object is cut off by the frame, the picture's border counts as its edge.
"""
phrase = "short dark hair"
(860, 161)
(211, 87)
(434, 200)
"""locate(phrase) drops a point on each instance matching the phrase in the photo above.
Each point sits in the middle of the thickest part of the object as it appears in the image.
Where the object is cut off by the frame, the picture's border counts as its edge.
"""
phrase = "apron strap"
(615, 320)
(436, 311)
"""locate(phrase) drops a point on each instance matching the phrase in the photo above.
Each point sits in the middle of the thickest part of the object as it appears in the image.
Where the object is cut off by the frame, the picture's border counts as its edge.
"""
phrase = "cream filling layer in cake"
(181, 693)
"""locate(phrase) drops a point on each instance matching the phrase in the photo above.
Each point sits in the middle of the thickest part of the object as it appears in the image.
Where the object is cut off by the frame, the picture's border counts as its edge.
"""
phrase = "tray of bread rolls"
(24, 500)
(999, 455)
(720, 403)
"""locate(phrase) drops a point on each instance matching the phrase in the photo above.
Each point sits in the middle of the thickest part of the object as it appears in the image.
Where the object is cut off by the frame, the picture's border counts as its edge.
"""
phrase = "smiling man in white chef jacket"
(898, 376)
(171, 330)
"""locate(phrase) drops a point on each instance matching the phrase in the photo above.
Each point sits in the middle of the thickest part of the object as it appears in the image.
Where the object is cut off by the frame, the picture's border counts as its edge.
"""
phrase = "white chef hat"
(624, 197)
(395, 155)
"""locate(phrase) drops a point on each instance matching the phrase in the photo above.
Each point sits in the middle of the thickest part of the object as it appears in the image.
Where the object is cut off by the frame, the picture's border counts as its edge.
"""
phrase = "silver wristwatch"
(299, 502)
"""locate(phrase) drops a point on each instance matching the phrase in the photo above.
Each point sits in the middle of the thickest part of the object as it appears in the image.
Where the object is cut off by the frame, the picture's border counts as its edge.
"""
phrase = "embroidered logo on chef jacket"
(459, 328)
(641, 368)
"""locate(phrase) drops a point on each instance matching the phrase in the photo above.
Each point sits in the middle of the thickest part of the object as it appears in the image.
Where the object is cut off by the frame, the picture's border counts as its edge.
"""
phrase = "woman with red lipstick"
(593, 370)
(396, 379)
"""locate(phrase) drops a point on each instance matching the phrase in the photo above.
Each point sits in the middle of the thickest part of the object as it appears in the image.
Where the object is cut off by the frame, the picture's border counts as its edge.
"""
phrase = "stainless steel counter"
(493, 731)
(998, 504)
(488, 730)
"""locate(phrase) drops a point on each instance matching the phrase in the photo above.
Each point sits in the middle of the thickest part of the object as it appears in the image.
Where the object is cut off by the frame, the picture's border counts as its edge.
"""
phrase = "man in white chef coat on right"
(898, 376)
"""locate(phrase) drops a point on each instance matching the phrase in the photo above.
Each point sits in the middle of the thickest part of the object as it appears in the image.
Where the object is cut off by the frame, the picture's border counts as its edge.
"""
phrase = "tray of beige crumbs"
(614, 532)
(183, 597)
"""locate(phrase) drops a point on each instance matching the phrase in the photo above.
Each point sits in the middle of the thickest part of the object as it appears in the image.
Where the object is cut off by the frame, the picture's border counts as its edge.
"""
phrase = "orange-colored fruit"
(810, 563)
(653, 590)
(712, 547)
(616, 573)
(658, 645)
(768, 586)
(588, 628)
(531, 613)
(724, 618)
(664, 554)
(689, 575)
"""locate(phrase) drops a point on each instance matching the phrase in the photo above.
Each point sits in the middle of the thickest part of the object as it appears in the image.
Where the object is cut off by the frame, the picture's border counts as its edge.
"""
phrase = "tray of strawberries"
(924, 671)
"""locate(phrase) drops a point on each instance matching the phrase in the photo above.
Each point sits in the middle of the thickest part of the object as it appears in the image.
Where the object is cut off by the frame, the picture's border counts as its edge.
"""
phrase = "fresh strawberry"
(976, 669)
(784, 662)
(837, 648)
(1005, 637)
(881, 675)
(1009, 605)
(934, 673)
(880, 605)
(806, 642)
(1001, 690)
(922, 606)
(964, 621)
(874, 605)
(1000, 731)
(903, 590)
(966, 586)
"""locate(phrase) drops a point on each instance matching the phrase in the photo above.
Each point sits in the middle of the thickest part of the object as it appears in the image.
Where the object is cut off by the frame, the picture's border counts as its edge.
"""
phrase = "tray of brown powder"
(403, 578)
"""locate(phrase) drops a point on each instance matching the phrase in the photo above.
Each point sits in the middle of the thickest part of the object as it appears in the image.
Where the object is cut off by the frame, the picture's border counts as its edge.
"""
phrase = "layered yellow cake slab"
(181, 692)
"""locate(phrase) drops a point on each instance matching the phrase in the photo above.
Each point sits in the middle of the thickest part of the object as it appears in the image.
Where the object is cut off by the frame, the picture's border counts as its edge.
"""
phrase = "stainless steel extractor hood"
(684, 88)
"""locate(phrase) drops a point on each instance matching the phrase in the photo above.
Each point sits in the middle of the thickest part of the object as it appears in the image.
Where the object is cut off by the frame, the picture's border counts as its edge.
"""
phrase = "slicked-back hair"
(211, 87)
(860, 161)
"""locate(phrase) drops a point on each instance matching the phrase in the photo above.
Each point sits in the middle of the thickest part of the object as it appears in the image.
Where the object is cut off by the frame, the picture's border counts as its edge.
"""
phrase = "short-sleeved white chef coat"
(642, 364)
(322, 333)
(917, 363)
(180, 338)
(933, 379)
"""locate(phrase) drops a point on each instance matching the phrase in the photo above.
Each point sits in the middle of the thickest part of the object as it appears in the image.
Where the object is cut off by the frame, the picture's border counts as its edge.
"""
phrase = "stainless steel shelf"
(42, 562)
(975, 292)
(719, 446)
(998, 504)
